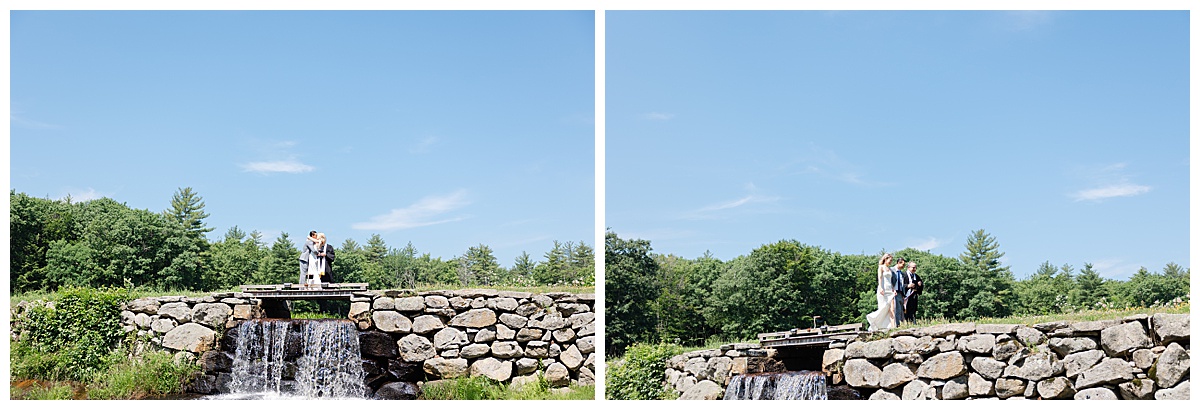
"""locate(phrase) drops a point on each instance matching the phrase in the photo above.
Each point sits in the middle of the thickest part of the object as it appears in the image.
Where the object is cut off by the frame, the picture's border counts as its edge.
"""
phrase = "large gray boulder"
(177, 310)
(977, 343)
(415, 348)
(1125, 338)
(449, 338)
(946, 330)
(391, 321)
(409, 304)
(1096, 393)
(1137, 389)
(1008, 387)
(895, 375)
(383, 303)
(1181, 392)
(979, 386)
(506, 350)
(860, 373)
(443, 368)
(878, 349)
(144, 305)
(914, 390)
(955, 389)
(1040, 366)
(474, 318)
(1173, 366)
(475, 350)
(513, 321)
(988, 367)
(493, 369)
(427, 323)
(360, 313)
(1109, 371)
(437, 302)
(943, 366)
(704, 390)
(1030, 336)
(190, 337)
(586, 345)
(212, 314)
(1067, 345)
(1172, 327)
(717, 369)
(557, 375)
(1056, 388)
(1076, 363)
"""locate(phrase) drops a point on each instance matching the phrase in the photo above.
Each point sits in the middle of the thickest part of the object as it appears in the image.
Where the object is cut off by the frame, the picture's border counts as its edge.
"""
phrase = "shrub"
(70, 338)
(639, 374)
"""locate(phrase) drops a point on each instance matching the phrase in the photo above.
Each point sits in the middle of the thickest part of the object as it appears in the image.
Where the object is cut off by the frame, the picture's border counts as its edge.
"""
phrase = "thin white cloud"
(827, 164)
(1114, 268)
(31, 124)
(658, 116)
(425, 212)
(928, 244)
(1109, 181)
(712, 211)
(424, 145)
(1111, 191)
(291, 166)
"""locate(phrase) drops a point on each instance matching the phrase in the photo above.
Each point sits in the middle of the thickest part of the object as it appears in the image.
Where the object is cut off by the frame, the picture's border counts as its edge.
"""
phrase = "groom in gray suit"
(310, 246)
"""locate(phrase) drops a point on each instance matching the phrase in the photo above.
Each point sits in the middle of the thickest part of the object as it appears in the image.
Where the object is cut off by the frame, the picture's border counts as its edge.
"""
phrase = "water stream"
(296, 359)
(798, 385)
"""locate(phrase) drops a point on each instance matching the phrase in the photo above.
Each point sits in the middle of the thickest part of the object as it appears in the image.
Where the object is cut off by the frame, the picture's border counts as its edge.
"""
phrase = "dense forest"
(101, 242)
(652, 297)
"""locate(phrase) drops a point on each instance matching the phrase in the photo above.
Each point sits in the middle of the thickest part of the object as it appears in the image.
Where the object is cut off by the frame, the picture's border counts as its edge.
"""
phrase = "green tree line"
(101, 242)
(651, 297)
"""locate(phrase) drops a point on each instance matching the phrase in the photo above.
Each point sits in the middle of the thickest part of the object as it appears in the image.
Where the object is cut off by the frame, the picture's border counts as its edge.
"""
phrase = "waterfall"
(305, 358)
(801, 385)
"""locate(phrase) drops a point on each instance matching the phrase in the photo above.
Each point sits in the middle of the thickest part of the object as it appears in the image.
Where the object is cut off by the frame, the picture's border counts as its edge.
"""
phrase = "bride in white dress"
(884, 317)
(316, 264)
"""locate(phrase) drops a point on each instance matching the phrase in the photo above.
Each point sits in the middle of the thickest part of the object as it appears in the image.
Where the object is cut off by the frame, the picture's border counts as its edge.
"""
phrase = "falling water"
(801, 385)
(328, 366)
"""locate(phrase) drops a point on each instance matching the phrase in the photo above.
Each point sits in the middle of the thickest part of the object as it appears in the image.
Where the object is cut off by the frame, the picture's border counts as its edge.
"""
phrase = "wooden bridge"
(819, 337)
(292, 291)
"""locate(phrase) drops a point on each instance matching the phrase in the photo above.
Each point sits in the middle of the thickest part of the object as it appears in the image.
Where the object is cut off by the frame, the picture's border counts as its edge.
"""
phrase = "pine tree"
(375, 249)
(187, 209)
(1089, 289)
(986, 285)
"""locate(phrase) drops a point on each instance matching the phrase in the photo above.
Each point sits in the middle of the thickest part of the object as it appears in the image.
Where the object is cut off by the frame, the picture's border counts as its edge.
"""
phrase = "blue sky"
(1062, 134)
(446, 129)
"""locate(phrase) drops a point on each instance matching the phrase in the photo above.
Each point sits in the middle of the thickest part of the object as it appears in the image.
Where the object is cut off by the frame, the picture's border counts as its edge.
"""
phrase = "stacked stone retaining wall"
(1139, 357)
(1135, 358)
(405, 337)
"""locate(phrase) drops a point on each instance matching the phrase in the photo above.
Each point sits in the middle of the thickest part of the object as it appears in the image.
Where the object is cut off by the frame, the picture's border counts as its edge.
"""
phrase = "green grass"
(482, 388)
(142, 293)
(154, 374)
(316, 315)
(1081, 316)
(46, 391)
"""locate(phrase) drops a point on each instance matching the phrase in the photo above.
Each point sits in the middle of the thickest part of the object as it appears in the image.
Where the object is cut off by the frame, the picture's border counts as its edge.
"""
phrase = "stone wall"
(704, 374)
(406, 338)
(187, 325)
(506, 336)
(1135, 358)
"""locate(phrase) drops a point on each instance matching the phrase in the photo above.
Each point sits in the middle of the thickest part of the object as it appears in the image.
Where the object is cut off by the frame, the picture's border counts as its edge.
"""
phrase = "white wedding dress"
(885, 297)
(316, 267)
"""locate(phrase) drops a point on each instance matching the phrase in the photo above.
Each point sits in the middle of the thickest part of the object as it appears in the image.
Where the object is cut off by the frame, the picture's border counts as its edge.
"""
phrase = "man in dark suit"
(899, 283)
(915, 286)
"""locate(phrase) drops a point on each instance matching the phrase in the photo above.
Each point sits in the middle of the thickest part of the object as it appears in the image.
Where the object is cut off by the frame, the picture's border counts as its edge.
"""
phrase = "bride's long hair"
(321, 240)
(883, 259)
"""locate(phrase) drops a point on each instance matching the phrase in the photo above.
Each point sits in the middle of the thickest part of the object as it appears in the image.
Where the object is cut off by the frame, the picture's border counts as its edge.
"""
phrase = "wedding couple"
(316, 261)
(896, 293)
